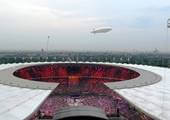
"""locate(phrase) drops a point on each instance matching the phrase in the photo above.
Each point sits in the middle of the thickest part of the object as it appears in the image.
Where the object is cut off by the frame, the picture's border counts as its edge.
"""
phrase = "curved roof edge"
(7, 77)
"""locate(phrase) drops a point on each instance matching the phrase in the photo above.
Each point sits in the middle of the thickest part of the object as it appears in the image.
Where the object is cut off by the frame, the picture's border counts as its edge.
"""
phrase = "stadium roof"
(18, 103)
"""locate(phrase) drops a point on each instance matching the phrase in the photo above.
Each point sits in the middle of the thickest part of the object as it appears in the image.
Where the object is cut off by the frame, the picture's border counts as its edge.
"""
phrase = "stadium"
(84, 60)
(83, 90)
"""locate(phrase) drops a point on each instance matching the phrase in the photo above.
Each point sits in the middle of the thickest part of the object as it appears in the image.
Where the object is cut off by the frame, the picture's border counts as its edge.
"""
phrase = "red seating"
(51, 73)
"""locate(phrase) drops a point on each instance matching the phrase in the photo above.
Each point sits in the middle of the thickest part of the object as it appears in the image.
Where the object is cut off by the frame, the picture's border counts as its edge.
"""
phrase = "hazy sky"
(137, 24)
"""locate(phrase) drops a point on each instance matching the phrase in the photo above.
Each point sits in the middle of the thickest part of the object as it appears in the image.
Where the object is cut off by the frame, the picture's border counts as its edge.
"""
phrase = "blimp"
(101, 30)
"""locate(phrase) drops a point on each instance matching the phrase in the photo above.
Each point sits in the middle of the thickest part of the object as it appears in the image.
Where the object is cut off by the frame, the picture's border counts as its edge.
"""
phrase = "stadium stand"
(83, 85)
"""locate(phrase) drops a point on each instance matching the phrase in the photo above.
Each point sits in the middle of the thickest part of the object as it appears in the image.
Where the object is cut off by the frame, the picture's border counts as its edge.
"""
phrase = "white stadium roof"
(18, 103)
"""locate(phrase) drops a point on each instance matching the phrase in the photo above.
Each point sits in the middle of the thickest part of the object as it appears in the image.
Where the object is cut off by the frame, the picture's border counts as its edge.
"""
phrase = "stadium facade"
(35, 90)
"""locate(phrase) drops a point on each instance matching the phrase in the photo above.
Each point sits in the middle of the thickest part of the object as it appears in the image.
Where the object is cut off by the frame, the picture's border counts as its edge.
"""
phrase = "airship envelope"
(101, 30)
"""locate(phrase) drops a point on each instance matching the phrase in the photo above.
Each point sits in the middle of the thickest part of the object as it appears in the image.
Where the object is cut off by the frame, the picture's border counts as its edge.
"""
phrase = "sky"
(138, 25)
